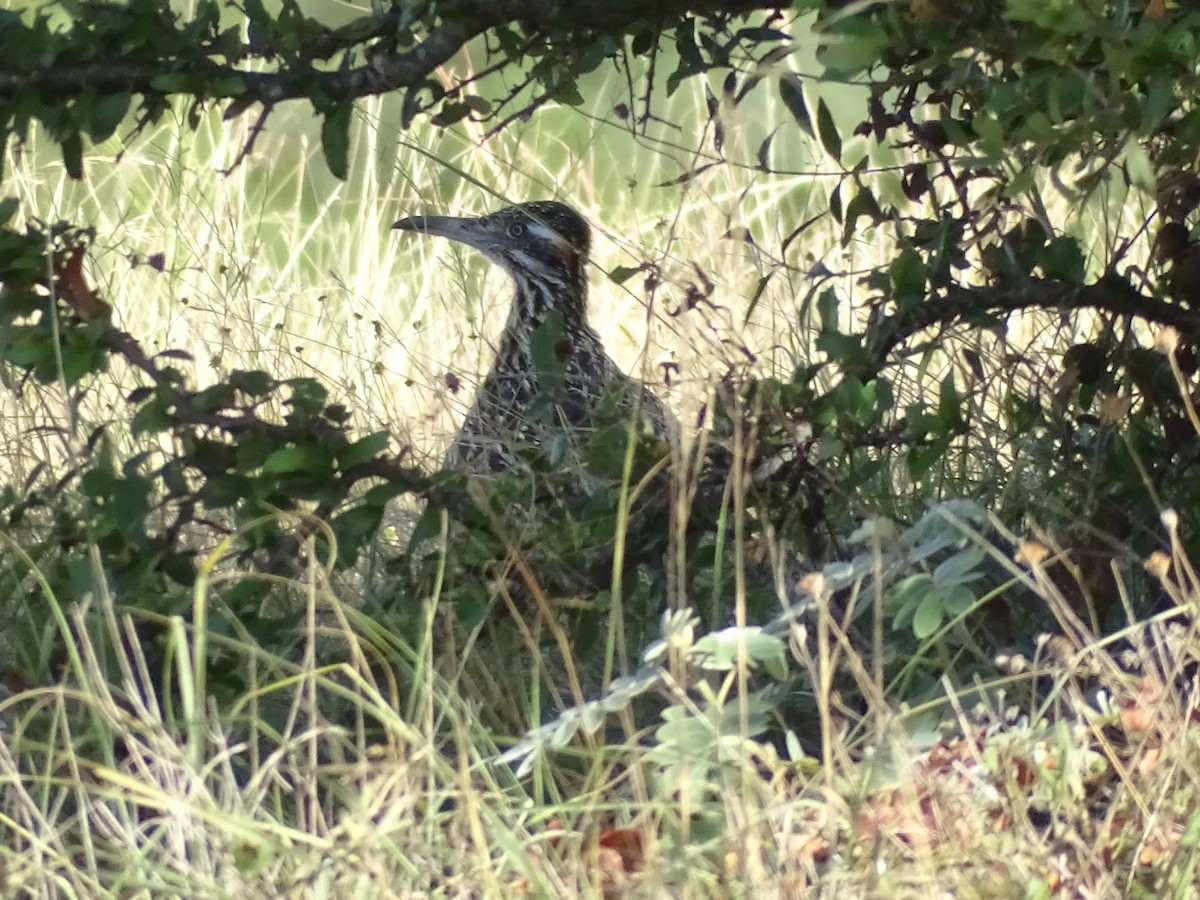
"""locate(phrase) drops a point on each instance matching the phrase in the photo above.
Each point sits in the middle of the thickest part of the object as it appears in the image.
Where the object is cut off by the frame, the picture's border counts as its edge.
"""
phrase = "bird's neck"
(536, 298)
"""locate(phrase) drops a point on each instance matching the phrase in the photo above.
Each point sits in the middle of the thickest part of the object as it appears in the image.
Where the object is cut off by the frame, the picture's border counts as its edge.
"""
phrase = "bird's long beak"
(475, 233)
(452, 227)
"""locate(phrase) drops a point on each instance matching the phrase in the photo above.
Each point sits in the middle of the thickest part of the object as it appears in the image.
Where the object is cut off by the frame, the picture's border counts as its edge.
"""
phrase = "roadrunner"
(550, 371)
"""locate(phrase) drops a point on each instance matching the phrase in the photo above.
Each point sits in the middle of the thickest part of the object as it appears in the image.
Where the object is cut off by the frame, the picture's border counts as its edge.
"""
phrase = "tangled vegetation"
(905, 601)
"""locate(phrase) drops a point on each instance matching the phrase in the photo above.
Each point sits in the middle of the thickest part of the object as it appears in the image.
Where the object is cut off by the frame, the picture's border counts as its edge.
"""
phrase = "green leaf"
(961, 568)
(353, 528)
(911, 589)
(253, 382)
(335, 138)
(761, 646)
(1139, 168)
(450, 113)
(226, 490)
(1062, 259)
(212, 457)
(412, 103)
(621, 274)
(105, 114)
(363, 450)
(510, 41)
(336, 413)
(427, 528)
(682, 733)
(232, 86)
(903, 619)
(30, 350)
(471, 604)
(8, 209)
(777, 667)
(304, 457)
(856, 49)
(791, 92)
(605, 451)
(992, 136)
(929, 614)
(252, 451)
(863, 203)
(690, 60)
(827, 131)
(308, 395)
(843, 348)
(906, 277)
(131, 503)
(252, 857)
(1191, 831)
(80, 357)
(959, 599)
(720, 650)
(764, 152)
(236, 107)
(170, 83)
(478, 104)
(72, 153)
(380, 494)
(949, 405)
(98, 483)
(256, 12)
(211, 399)
(858, 402)
(922, 459)
(568, 94)
(174, 478)
(828, 308)
(643, 41)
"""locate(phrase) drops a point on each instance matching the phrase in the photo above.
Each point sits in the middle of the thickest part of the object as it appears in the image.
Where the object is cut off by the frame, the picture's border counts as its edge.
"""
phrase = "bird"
(551, 371)
(551, 383)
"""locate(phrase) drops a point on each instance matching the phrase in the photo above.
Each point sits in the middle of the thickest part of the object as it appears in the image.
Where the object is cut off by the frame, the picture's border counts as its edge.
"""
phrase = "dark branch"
(125, 345)
(1111, 293)
(387, 73)
(556, 23)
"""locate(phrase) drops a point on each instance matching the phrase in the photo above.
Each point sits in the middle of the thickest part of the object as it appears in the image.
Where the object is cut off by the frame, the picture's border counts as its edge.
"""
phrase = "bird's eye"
(516, 229)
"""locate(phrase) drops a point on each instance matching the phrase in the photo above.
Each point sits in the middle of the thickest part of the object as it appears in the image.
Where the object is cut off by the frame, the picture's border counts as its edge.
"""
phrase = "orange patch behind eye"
(568, 252)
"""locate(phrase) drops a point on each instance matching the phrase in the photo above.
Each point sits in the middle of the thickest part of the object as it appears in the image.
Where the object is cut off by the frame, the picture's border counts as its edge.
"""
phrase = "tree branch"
(554, 21)
(109, 77)
(1111, 293)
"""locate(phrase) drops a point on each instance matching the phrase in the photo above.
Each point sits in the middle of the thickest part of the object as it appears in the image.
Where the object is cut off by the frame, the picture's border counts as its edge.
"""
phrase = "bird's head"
(542, 245)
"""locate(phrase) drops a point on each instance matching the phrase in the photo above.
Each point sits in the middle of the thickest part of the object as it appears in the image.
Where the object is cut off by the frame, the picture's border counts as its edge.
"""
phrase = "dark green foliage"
(132, 522)
(972, 109)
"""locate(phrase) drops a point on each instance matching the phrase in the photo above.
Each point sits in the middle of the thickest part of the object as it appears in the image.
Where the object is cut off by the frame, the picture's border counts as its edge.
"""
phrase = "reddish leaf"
(629, 844)
(72, 287)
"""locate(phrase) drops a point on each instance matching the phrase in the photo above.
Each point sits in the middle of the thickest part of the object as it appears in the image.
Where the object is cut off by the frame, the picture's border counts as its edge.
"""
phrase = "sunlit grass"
(278, 265)
(330, 775)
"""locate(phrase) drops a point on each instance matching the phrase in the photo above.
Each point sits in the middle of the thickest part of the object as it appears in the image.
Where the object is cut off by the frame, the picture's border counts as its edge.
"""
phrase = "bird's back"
(526, 402)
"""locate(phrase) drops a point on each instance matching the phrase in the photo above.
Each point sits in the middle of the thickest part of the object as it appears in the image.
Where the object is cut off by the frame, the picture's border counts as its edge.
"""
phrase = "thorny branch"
(1111, 293)
(556, 23)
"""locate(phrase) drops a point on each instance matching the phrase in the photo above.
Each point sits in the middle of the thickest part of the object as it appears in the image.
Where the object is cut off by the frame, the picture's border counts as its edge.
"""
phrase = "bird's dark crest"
(562, 219)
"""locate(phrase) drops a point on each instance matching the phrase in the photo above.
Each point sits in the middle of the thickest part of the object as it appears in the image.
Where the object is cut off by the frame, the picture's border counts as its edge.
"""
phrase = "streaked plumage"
(544, 248)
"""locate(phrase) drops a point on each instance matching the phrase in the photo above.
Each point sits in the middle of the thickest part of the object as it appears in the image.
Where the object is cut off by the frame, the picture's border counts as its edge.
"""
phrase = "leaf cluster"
(248, 470)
